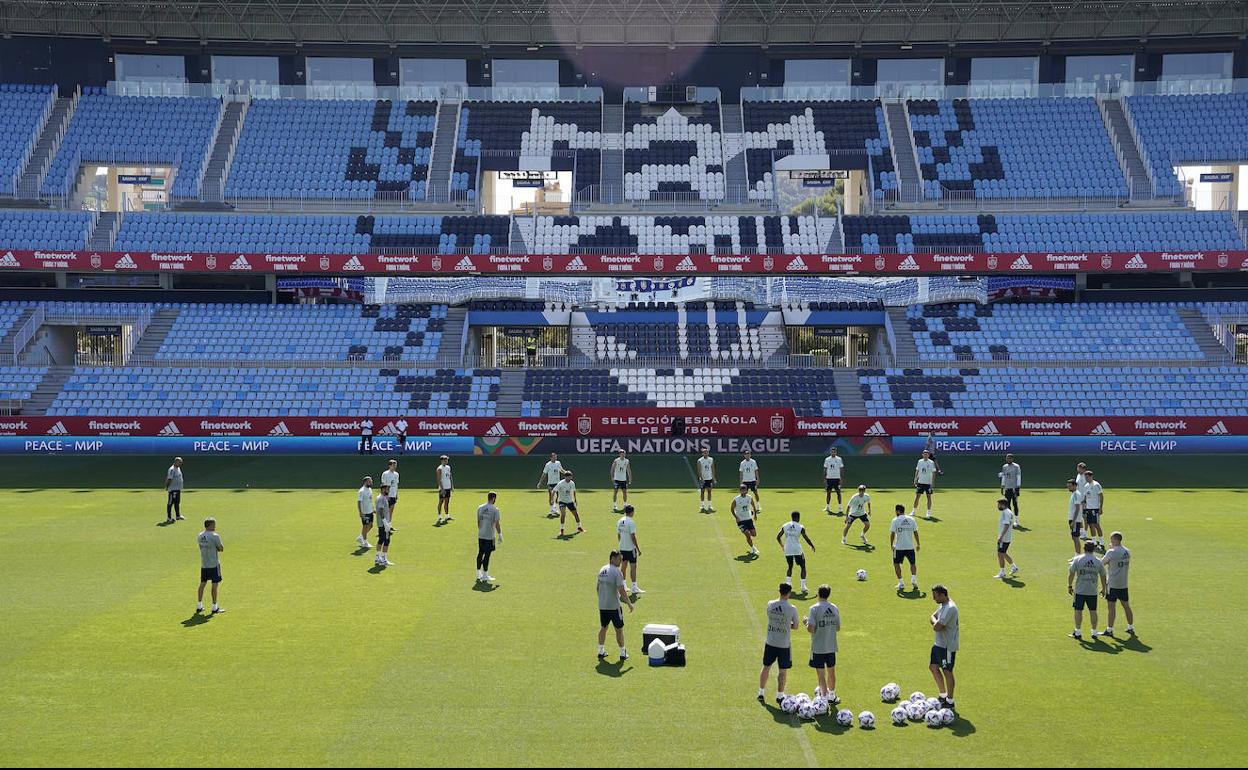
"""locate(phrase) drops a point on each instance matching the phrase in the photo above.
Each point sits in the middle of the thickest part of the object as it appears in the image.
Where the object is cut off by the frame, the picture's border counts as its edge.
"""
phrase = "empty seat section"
(25, 109)
(58, 230)
(673, 154)
(680, 234)
(1188, 129)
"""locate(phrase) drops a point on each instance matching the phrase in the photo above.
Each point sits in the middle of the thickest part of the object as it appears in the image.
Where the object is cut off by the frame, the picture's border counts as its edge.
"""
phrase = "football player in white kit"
(745, 512)
(790, 538)
(706, 481)
(924, 480)
(621, 479)
(445, 484)
(749, 476)
(833, 468)
(552, 474)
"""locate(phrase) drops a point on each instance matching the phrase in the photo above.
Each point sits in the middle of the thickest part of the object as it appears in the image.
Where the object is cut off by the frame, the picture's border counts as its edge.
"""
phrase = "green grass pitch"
(322, 660)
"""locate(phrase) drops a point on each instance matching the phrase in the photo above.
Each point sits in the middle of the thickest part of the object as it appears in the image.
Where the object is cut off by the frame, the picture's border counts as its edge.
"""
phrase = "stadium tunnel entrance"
(124, 188)
(527, 193)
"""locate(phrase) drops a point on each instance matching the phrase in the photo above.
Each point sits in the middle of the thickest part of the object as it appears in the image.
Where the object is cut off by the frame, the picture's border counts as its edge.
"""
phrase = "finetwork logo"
(354, 264)
(126, 263)
(686, 265)
(1219, 429)
(170, 430)
(240, 264)
(875, 430)
(1137, 263)
(908, 264)
(8, 260)
(797, 265)
(989, 430)
(578, 264)
(497, 430)
(58, 430)
(280, 430)
(466, 265)
(1021, 263)
(1103, 429)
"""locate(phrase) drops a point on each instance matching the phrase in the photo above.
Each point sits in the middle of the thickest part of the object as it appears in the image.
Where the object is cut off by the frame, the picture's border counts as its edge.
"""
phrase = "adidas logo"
(497, 430)
(280, 430)
(1103, 429)
(354, 264)
(8, 260)
(126, 263)
(1136, 263)
(989, 430)
(1021, 263)
(686, 265)
(58, 430)
(466, 265)
(1219, 429)
(579, 264)
(170, 430)
(240, 264)
(797, 265)
(388, 429)
(875, 430)
(908, 264)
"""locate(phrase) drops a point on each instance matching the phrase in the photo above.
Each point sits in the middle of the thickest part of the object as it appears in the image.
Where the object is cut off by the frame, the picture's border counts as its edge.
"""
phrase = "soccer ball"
(807, 711)
(916, 710)
(890, 692)
(802, 699)
(866, 720)
(899, 715)
(933, 704)
(946, 716)
(844, 717)
(820, 705)
(862, 574)
(917, 697)
(789, 704)
(933, 718)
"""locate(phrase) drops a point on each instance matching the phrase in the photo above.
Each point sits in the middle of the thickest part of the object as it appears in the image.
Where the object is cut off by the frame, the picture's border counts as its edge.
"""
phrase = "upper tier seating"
(25, 109)
(673, 155)
(18, 383)
(134, 130)
(1052, 392)
(1152, 231)
(1015, 148)
(292, 148)
(680, 234)
(261, 392)
(1177, 130)
(56, 230)
(501, 136)
(774, 130)
(1033, 332)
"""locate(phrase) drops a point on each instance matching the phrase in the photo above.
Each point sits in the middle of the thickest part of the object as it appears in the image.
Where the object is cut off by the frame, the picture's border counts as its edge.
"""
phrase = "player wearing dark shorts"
(210, 549)
(611, 593)
(945, 644)
(1117, 563)
(745, 512)
(823, 622)
(1081, 583)
(778, 646)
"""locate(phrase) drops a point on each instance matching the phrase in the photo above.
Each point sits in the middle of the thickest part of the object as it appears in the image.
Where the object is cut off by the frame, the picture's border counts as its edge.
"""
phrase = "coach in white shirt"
(400, 431)
(366, 435)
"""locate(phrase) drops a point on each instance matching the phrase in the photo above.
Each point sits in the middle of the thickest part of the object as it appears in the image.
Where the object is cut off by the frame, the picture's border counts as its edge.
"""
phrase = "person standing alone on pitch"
(390, 481)
(445, 484)
(366, 435)
(621, 479)
(903, 538)
(749, 476)
(489, 530)
(745, 512)
(1005, 535)
(924, 480)
(859, 510)
(611, 592)
(1117, 562)
(706, 477)
(790, 538)
(382, 513)
(400, 434)
(1081, 583)
(1093, 507)
(565, 494)
(944, 623)
(824, 622)
(366, 507)
(1011, 483)
(173, 492)
(778, 648)
(210, 549)
(629, 549)
(833, 468)
(552, 474)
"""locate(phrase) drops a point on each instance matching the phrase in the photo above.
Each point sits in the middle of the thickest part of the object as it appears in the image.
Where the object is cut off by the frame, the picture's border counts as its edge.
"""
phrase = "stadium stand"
(1172, 130)
(26, 109)
(673, 155)
(1015, 148)
(57, 230)
(160, 130)
(18, 383)
(293, 148)
(679, 234)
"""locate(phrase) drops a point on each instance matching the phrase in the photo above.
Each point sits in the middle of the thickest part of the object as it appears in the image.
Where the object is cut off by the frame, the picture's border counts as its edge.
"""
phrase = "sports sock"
(761, 692)
(199, 605)
(623, 652)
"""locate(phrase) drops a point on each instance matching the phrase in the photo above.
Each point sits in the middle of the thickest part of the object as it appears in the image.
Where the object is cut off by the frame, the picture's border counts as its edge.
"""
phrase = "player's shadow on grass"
(912, 594)
(1099, 645)
(1132, 643)
(360, 551)
(1021, 528)
(828, 724)
(198, 619)
(485, 588)
(1014, 582)
(166, 523)
(748, 557)
(962, 727)
(614, 670)
(864, 547)
(377, 569)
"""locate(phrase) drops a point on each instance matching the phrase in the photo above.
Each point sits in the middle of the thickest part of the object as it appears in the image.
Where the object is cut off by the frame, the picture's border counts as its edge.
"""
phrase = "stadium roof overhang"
(619, 22)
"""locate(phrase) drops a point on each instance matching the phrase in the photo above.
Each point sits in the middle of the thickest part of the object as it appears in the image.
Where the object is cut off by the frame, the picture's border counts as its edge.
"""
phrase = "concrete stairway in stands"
(451, 351)
(735, 175)
(899, 138)
(222, 156)
(1115, 116)
(836, 241)
(517, 244)
(105, 232)
(438, 189)
(510, 392)
(849, 393)
(611, 183)
(6, 342)
(904, 349)
(48, 389)
(47, 145)
(155, 333)
(1200, 330)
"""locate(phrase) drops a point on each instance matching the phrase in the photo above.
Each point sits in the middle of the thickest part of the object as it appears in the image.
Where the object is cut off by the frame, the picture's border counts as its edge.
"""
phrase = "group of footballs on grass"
(919, 708)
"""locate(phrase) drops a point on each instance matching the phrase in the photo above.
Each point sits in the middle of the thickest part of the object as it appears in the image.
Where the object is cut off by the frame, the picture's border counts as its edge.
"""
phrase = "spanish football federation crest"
(1106, 261)
(777, 424)
(584, 425)
(658, 264)
(437, 264)
(768, 263)
(879, 262)
(211, 262)
(548, 264)
(992, 261)
(96, 261)
(324, 264)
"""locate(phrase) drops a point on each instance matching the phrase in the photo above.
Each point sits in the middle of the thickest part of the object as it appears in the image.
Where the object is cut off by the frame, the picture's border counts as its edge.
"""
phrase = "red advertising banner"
(623, 264)
(701, 422)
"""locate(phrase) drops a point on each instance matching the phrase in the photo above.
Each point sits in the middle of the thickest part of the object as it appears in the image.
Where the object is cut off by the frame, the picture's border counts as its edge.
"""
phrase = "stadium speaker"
(678, 426)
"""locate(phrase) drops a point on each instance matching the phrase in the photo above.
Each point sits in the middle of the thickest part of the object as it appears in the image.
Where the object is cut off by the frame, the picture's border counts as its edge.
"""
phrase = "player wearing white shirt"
(903, 539)
(1011, 476)
(706, 480)
(400, 433)
(924, 480)
(1074, 515)
(1081, 484)
(1005, 534)
(552, 473)
(621, 478)
(390, 481)
(1117, 563)
(626, 527)
(444, 482)
(1093, 506)
(749, 476)
(366, 435)
(384, 530)
(565, 495)
(173, 492)
(823, 622)
(489, 532)
(790, 538)
(859, 510)
(366, 507)
(833, 468)
(745, 512)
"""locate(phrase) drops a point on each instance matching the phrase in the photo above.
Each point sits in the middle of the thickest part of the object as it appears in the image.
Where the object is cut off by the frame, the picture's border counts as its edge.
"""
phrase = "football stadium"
(654, 383)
